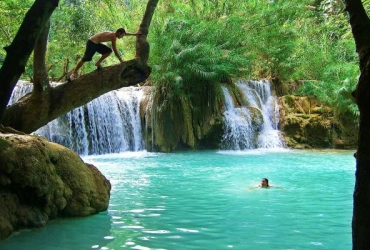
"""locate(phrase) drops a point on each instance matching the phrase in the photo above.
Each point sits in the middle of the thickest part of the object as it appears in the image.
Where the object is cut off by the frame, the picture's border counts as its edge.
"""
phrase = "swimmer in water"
(264, 184)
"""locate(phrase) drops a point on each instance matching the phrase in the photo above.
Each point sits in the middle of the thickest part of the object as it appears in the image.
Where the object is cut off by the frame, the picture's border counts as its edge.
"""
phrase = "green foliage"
(75, 21)
(271, 36)
(329, 68)
(197, 44)
(335, 90)
(11, 13)
(72, 23)
(190, 56)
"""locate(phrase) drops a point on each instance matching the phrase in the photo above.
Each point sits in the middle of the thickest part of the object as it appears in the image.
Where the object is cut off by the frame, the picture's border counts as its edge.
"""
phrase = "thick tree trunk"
(21, 48)
(40, 74)
(360, 24)
(142, 45)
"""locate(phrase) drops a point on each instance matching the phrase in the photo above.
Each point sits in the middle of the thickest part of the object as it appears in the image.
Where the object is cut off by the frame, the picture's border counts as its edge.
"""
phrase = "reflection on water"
(75, 233)
(200, 200)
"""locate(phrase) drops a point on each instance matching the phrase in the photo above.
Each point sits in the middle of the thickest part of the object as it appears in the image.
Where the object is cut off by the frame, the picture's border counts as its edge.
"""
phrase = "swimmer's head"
(264, 182)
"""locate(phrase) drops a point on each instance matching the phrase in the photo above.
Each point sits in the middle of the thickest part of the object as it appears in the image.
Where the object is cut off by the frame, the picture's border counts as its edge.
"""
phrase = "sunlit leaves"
(197, 55)
(11, 13)
(200, 43)
(74, 21)
(329, 63)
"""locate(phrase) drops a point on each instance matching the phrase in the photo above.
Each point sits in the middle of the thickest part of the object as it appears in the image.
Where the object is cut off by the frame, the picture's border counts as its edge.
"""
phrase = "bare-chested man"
(94, 44)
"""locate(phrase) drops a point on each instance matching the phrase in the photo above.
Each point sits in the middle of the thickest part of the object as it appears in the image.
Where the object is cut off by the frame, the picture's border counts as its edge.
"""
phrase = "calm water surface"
(200, 200)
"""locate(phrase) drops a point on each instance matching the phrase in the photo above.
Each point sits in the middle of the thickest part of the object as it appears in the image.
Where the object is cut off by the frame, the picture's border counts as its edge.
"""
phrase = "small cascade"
(21, 89)
(108, 124)
(238, 130)
(241, 131)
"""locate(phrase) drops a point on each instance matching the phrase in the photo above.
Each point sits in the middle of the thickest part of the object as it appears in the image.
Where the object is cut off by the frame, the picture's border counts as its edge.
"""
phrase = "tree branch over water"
(42, 106)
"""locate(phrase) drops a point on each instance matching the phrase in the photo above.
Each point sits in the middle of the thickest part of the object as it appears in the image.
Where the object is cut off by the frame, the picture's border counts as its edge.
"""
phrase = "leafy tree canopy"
(202, 43)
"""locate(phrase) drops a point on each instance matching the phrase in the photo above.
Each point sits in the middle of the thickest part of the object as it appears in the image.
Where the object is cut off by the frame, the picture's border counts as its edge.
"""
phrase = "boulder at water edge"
(41, 180)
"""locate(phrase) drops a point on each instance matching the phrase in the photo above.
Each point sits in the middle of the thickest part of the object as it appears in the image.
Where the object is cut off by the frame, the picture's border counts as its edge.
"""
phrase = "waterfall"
(241, 132)
(112, 124)
(238, 131)
(21, 89)
(108, 124)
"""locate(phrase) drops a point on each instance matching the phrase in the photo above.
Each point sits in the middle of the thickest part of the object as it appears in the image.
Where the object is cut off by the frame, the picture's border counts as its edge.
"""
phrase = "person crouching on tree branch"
(95, 44)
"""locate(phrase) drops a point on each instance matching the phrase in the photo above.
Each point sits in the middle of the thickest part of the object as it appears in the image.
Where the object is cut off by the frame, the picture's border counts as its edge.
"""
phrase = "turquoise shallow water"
(200, 200)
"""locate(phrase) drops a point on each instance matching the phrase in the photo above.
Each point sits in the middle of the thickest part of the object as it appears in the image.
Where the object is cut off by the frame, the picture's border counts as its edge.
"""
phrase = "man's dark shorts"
(92, 48)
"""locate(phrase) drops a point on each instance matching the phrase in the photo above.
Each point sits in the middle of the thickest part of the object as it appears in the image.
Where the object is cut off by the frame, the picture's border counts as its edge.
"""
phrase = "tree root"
(9, 130)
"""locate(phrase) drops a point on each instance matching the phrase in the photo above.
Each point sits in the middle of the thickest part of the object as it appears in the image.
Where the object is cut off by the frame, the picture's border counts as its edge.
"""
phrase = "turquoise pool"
(200, 200)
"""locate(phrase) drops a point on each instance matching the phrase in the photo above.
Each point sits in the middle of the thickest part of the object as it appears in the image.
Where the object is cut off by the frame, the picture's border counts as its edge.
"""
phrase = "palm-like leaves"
(194, 57)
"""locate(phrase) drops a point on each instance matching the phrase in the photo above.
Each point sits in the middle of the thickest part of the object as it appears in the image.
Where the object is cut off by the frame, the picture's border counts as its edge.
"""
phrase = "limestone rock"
(41, 180)
(176, 125)
(307, 123)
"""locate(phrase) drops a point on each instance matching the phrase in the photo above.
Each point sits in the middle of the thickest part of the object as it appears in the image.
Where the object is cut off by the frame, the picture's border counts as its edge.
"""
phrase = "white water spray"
(108, 124)
(111, 123)
(240, 133)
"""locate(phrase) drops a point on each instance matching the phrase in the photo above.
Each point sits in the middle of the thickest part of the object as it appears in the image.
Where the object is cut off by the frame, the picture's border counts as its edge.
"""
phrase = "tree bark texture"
(19, 51)
(360, 24)
(40, 74)
(142, 45)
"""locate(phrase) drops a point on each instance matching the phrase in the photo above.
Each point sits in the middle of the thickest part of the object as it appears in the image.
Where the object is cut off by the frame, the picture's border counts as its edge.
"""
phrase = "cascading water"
(108, 124)
(111, 123)
(240, 131)
(21, 89)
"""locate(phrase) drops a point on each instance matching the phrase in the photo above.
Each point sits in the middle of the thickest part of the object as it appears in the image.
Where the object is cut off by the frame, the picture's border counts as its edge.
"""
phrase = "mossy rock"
(41, 180)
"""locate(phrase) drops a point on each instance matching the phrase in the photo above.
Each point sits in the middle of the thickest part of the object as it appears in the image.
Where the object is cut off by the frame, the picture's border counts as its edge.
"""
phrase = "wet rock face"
(177, 125)
(40, 181)
(306, 123)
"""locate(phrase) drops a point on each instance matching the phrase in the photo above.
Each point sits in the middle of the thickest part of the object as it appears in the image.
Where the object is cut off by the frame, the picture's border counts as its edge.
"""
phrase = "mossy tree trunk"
(48, 103)
(19, 51)
(40, 76)
(360, 24)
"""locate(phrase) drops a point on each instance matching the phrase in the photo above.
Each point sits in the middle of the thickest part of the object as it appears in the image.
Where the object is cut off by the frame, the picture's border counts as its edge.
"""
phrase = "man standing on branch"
(94, 44)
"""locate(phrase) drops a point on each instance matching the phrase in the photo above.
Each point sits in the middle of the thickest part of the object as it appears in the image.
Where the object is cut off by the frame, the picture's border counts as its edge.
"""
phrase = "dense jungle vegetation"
(304, 46)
